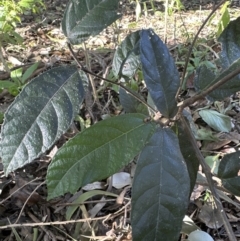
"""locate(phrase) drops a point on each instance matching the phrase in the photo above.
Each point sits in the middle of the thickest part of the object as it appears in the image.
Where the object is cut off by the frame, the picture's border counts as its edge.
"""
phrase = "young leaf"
(216, 120)
(228, 171)
(7, 84)
(160, 189)
(29, 72)
(97, 153)
(16, 76)
(126, 59)
(85, 18)
(160, 73)
(225, 18)
(230, 40)
(41, 113)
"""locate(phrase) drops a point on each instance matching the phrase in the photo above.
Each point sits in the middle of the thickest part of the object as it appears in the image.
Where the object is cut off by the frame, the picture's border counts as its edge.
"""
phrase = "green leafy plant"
(224, 18)
(138, 8)
(10, 12)
(200, 56)
(18, 79)
(174, 5)
(170, 7)
(168, 153)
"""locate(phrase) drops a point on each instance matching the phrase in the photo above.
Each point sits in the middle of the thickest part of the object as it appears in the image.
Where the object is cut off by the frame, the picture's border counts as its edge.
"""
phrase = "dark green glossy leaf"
(203, 77)
(228, 88)
(126, 59)
(160, 73)
(160, 189)
(41, 113)
(230, 40)
(131, 104)
(188, 153)
(229, 61)
(85, 18)
(97, 153)
(228, 171)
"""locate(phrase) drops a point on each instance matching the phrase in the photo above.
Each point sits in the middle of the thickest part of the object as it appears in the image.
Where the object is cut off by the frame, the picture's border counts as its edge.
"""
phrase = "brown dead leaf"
(21, 192)
(210, 216)
(197, 192)
(211, 146)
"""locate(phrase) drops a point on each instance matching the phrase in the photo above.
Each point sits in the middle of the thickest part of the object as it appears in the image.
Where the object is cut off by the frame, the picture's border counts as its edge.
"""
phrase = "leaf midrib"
(107, 143)
(35, 121)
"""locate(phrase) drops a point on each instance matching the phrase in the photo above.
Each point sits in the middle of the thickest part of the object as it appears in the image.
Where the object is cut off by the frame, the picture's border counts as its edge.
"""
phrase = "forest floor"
(44, 42)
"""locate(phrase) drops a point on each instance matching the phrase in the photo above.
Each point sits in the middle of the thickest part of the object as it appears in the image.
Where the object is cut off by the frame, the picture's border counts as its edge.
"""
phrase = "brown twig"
(107, 80)
(194, 41)
(28, 200)
(48, 232)
(95, 95)
(205, 183)
(86, 202)
(4, 200)
(209, 179)
(204, 93)
(52, 223)
(198, 152)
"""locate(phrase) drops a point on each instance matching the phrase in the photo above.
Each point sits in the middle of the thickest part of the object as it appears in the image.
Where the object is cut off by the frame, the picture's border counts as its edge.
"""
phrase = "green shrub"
(168, 153)
(10, 15)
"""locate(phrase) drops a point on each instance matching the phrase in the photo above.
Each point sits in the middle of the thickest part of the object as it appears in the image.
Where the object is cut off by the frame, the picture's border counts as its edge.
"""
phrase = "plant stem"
(152, 5)
(95, 96)
(207, 91)
(209, 179)
(194, 41)
(109, 81)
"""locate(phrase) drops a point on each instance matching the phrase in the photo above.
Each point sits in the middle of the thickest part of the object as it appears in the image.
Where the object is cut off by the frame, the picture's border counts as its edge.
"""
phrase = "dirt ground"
(44, 42)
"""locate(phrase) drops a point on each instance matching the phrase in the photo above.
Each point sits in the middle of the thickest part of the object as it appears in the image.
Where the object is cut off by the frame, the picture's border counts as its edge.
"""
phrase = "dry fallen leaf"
(210, 216)
(21, 193)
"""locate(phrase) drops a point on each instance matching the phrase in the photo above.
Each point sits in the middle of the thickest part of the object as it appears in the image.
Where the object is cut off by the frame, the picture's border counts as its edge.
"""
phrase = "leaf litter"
(45, 43)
